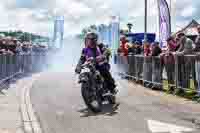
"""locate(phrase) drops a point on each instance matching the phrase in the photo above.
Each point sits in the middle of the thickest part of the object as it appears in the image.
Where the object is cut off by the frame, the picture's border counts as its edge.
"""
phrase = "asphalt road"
(58, 103)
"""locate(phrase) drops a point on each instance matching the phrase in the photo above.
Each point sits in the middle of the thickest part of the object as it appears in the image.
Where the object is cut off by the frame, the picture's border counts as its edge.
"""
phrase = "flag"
(164, 22)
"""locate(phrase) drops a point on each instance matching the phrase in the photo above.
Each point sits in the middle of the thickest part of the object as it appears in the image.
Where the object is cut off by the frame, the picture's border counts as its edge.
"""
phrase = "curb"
(29, 119)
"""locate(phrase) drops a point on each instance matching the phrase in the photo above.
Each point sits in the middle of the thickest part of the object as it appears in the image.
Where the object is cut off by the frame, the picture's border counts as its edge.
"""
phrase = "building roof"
(190, 29)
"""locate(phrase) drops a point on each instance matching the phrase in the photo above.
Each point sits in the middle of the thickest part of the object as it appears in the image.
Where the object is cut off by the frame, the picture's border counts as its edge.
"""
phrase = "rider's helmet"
(92, 36)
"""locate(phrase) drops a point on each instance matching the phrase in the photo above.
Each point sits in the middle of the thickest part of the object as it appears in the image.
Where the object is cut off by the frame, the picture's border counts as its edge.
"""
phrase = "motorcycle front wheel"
(93, 101)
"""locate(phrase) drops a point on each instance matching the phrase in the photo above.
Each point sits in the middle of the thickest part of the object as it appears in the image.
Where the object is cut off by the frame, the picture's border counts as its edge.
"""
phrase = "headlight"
(85, 70)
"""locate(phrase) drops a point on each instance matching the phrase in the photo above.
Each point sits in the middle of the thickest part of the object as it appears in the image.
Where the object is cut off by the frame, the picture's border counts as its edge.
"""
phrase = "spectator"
(131, 48)
(171, 44)
(9, 52)
(124, 46)
(147, 65)
(177, 42)
(156, 50)
(147, 49)
(138, 49)
(168, 61)
(18, 48)
(186, 44)
(184, 63)
(156, 65)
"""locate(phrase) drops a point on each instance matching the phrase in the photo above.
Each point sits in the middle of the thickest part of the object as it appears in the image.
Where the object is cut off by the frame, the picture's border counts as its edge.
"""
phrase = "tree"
(84, 31)
(129, 25)
(93, 27)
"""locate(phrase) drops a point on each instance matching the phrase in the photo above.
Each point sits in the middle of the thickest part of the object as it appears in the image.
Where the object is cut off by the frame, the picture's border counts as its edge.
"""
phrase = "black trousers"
(105, 73)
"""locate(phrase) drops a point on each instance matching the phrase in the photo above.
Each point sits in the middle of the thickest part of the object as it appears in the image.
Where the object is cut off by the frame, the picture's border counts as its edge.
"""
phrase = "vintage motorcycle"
(93, 87)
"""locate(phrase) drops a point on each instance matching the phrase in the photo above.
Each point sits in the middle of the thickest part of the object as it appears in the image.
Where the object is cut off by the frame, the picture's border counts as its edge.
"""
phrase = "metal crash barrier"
(181, 71)
(12, 65)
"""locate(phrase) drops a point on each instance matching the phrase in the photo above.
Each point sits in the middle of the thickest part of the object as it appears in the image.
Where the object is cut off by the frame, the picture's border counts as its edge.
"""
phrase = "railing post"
(156, 72)
(147, 70)
(176, 70)
(197, 64)
(1, 65)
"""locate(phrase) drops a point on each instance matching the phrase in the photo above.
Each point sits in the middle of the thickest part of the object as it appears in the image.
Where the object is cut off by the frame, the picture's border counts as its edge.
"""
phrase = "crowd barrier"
(181, 71)
(12, 65)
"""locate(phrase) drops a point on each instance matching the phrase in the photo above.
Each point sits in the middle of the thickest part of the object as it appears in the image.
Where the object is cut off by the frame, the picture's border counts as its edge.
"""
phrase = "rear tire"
(85, 91)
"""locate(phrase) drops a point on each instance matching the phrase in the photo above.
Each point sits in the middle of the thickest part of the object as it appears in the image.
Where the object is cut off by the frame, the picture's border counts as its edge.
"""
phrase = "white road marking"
(159, 127)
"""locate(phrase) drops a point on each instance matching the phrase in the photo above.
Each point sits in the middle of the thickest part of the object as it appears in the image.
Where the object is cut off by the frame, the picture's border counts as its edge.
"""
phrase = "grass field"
(189, 93)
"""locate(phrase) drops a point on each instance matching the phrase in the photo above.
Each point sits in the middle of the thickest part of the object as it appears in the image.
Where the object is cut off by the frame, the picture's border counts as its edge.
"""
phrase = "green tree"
(129, 25)
(93, 27)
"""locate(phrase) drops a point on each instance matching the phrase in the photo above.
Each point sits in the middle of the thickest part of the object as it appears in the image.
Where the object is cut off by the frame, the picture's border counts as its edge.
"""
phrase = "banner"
(164, 22)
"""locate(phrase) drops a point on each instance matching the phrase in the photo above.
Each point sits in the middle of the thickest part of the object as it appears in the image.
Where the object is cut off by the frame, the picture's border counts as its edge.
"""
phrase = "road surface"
(58, 103)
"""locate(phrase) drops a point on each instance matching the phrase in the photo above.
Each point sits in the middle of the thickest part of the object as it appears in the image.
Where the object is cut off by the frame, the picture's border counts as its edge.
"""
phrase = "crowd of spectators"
(13, 46)
(178, 43)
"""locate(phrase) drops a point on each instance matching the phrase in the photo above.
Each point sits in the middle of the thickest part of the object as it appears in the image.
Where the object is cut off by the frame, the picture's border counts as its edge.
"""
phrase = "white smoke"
(66, 58)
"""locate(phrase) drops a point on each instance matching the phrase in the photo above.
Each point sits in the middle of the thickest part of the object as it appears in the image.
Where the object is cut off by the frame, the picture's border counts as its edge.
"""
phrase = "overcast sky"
(37, 15)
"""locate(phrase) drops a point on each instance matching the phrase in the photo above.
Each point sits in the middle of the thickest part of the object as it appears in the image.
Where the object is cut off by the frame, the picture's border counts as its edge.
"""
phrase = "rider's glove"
(78, 70)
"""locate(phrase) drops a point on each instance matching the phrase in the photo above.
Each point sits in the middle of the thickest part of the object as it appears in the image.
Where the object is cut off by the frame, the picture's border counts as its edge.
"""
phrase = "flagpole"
(170, 15)
(158, 3)
(145, 20)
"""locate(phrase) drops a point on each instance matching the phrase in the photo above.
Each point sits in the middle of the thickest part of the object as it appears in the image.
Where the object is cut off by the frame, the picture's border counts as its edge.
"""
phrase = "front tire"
(89, 98)
(112, 99)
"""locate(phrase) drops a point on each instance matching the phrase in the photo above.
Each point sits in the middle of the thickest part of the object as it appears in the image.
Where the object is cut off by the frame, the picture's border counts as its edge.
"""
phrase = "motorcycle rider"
(92, 51)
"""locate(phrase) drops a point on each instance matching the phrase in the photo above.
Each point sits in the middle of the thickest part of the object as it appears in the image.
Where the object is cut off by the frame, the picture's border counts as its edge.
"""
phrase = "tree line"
(23, 36)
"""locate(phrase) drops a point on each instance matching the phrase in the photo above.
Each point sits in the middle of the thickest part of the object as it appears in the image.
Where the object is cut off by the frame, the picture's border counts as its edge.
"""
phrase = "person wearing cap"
(156, 50)
(186, 44)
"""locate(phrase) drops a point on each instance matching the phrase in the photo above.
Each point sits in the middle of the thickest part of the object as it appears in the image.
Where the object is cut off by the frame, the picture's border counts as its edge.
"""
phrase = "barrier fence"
(180, 71)
(12, 65)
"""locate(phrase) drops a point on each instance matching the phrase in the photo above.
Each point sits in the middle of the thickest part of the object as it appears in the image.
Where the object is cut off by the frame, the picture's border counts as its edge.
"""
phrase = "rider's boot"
(113, 90)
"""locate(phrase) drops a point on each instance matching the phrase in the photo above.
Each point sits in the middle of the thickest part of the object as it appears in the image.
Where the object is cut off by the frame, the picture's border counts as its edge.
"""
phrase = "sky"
(37, 16)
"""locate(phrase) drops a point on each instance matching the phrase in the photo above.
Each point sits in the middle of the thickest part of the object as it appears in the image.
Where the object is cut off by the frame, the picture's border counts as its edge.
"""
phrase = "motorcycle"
(93, 87)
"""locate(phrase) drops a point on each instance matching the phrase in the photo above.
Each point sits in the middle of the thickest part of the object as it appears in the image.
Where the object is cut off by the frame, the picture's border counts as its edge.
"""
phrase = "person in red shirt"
(147, 50)
(124, 45)
(172, 47)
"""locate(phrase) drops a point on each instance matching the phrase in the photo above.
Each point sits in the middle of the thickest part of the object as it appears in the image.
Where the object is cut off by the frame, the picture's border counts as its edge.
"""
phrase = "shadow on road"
(107, 110)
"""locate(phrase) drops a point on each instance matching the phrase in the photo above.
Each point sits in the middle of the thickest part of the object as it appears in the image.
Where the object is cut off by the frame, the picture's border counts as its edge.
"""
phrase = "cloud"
(38, 15)
(188, 11)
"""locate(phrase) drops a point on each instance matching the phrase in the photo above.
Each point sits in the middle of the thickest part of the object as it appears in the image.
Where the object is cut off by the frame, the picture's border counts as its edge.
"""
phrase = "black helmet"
(93, 36)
